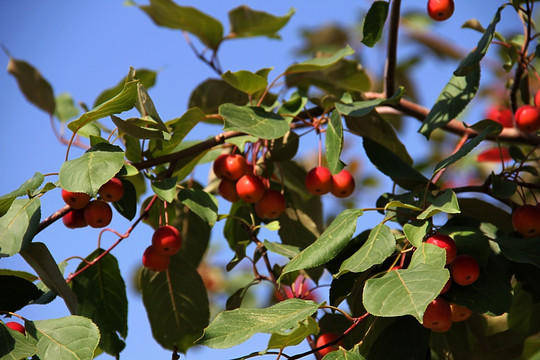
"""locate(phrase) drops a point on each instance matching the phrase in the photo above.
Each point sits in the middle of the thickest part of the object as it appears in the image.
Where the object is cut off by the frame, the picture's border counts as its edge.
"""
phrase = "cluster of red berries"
(16, 326)
(526, 220)
(464, 270)
(320, 181)
(166, 241)
(238, 182)
(526, 118)
(95, 213)
(326, 338)
(440, 10)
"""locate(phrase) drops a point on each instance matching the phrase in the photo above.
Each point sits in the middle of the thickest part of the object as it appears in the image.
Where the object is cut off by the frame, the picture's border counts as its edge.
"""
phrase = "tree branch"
(391, 53)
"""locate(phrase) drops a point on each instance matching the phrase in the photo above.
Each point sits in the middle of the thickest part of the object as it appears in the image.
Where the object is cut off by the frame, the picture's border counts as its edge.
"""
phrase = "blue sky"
(84, 47)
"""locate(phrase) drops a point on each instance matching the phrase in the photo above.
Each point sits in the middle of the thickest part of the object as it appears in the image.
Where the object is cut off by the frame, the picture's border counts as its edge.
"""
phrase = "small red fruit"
(112, 190)
(528, 118)
(153, 261)
(98, 214)
(319, 180)
(460, 312)
(526, 220)
(218, 164)
(76, 200)
(342, 184)
(227, 189)
(437, 315)
(166, 240)
(444, 242)
(440, 10)
(271, 205)
(233, 167)
(16, 326)
(446, 286)
(250, 188)
(501, 115)
(464, 270)
(494, 155)
(537, 99)
(74, 219)
(325, 339)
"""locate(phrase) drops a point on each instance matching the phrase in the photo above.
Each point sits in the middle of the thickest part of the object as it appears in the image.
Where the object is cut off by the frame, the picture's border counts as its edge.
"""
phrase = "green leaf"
(65, 108)
(246, 22)
(379, 245)
(320, 63)
(304, 329)
(416, 231)
(233, 230)
(145, 76)
(165, 188)
(181, 127)
(328, 245)
(16, 292)
(19, 225)
(393, 166)
(94, 168)
(245, 81)
(453, 99)
(38, 256)
(127, 205)
(231, 328)
(364, 107)
(334, 143)
(445, 202)
(373, 25)
(521, 250)
(342, 354)
(124, 101)
(168, 14)
(253, 121)
(211, 93)
(465, 149)
(204, 204)
(176, 304)
(195, 234)
(297, 228)
(35, 88)
(404, 292)
(472, 60)
(283, 148)
(14, 345)
(101, 294)
(147, 109)
(282, 249)
(28, 187)
(139, 128)
(428, 254)
(67, 338)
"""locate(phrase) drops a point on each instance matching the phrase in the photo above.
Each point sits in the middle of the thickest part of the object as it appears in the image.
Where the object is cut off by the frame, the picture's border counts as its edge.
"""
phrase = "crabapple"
(112, 190)
(464, 270)
(319, 180)
(233, 167)
(153, 261)
(460, 312)
(501, 115)
(98, 214)
(227, 189)
(440, 9)
(166, 240)
(526, 220)
(271, 205)
(445, 242)
(250, 188)
(74, 219)
(76, 200)
(342, 184)
(528, 118)
(217, 165)
(16, 326)
(325, 339)
(537, 99)
(437, 315)
(446, 286)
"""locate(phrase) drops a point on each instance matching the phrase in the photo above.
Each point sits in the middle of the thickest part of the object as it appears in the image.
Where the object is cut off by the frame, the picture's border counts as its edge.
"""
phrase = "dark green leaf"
(361, 108)
(453, 99)
(211, 93)
(284, 148)
(373, 25)
(486, 212)
(233, 230)
(246, 22)
(14, 345)
(245, 81)
(35, 88)
(502, 187)
(139, 129)
(521, 250)
(19, 225)
(146, 77)
(334, 143)
(176, 304)
(282, 249)
(16, 292)
(29, 186)
(320, 63)
(165, 188)
(297, 228)
(127, 205)
(203, 204)
(253, 121)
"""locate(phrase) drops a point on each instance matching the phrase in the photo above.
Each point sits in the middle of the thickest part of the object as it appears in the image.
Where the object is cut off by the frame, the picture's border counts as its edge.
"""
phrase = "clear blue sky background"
(84, 47)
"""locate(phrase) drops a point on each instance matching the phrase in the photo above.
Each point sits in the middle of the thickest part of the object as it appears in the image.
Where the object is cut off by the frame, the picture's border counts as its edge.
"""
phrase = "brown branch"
(391, 53)
(51, 219)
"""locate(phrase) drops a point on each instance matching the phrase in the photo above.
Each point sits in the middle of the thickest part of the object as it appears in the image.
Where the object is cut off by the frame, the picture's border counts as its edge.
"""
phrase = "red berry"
(319, 180)
(250, 188)
(444, 242)
(166, 240)
(76, 200)
(460, 312)
(218, 164)
(495, 155)
(528, 118)
(16, 326)
(446, 286)
(112, 190)
(325, 339)
(74, 219)
(440, 10)
(227, 189)
(153, 261)
(271, 205)
(537, 99)
(233, 167)
(464, 270)
(501, 115)
(98, 214)
(342, 184)
(437, 315)
(526, 220)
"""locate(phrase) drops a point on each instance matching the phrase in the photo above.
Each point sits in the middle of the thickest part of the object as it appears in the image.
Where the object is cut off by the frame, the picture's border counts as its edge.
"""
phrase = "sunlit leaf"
(19, 225)
(245, 81)
(29, 186)
(305, 328)
(246, 22)
(334, 142)
(145, 76)
(204, 204)
(253, 121)
(445, 202)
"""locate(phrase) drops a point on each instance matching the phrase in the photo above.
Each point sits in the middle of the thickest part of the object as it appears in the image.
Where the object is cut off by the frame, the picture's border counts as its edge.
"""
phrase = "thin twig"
(391, 53)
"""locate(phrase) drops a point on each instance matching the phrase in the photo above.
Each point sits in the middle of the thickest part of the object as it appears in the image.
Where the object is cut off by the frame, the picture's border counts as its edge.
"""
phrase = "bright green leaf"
(304, 329)
(28, 187)
(14, 345)
(416, 231)
(253, 121)
(245, 81)
(165, 188)
(334, 143)
(19, 225)
(204, 204)
(145, 76)
(445, 202)
(246, 22)
(428, 254)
